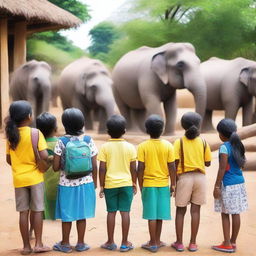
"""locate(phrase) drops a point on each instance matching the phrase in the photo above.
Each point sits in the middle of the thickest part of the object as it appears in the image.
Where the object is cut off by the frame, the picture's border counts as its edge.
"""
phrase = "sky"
(100, 10)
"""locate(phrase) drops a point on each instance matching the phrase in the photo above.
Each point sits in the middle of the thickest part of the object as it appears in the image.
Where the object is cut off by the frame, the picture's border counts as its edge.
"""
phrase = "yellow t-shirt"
(156, 154)
(24, 169)
(194, 156)
(118, 154)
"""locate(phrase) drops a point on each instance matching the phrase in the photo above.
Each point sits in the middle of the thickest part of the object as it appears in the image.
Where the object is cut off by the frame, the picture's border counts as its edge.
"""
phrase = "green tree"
(102, 36)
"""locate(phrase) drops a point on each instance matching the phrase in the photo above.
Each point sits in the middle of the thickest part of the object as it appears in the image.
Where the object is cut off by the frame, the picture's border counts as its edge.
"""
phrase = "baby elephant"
(32, 82)
(86, 84)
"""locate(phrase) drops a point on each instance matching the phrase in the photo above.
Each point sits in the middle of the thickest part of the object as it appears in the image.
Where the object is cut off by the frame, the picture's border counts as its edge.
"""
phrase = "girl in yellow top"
(192, 154)
(27, 179)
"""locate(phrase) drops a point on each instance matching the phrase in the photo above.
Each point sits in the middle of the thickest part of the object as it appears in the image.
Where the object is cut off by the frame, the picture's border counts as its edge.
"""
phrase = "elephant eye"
(90, 75)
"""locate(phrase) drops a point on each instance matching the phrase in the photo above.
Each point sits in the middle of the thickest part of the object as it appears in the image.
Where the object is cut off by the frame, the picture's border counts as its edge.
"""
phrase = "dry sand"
(210, 231)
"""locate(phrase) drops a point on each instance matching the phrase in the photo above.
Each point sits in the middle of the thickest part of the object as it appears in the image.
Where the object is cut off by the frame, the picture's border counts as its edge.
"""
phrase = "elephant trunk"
(195, 83)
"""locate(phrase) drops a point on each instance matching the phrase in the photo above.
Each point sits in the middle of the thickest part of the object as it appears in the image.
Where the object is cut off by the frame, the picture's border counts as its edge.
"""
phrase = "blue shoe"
(126, 248)
(110, 247)
(151, 248)
(62, 248)
(82, 247)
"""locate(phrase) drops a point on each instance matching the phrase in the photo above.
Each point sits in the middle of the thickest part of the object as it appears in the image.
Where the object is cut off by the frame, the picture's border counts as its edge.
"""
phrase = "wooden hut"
(18, 19)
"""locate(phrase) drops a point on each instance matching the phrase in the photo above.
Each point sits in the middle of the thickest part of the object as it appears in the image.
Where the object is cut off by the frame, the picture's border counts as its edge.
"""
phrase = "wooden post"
(4, 69)
(20, 49)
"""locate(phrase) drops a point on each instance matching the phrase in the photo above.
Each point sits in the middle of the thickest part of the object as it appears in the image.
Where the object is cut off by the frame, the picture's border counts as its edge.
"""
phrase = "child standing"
(229, 190)
(27, 178)
(47, 124)
(117, 180)
(155, 166)
(76, 194)
(192, 154)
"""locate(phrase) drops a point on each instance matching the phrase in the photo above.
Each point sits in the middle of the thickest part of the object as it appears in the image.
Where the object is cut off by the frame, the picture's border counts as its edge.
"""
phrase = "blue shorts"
(156, 203)
(75, 203)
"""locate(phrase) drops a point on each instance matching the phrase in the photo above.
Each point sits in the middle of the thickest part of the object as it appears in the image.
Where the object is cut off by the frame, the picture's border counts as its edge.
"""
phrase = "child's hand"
(101, 193)
(217, 193)
(134, 189)
(173, 190)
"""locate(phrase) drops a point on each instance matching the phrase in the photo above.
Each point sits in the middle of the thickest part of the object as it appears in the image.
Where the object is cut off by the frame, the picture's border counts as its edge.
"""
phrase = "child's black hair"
(154, 126)
(19, 111)
(46, 123)
(116, 125)
(228, 128)
(73, 121)
(191, 123)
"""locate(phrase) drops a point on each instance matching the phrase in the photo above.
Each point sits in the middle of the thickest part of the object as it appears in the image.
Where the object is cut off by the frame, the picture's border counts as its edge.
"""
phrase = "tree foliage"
(223, 28)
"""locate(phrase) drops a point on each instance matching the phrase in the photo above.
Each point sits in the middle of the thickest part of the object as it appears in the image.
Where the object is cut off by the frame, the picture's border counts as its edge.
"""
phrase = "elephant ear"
(158, 65)
(80, 85)
(244, 76)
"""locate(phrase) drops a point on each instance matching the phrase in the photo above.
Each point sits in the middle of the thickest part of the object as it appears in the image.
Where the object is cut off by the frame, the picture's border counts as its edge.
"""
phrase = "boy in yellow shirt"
(156, 165)
(117, 180)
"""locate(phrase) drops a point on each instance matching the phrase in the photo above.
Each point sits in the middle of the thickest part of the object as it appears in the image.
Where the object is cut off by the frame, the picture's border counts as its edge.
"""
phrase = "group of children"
(162, 171)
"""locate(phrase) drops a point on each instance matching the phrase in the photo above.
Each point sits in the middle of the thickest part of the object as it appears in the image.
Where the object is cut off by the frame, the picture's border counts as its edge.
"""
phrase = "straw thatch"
(40, 12)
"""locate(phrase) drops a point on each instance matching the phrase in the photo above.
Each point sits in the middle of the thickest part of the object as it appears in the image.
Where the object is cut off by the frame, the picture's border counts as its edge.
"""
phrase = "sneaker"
(223, 248)
(192, 247)
(179, 247)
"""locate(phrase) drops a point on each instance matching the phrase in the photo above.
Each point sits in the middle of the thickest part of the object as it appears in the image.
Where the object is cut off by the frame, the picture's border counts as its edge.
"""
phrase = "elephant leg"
(231, 110)
(138, 117)
(170, 109)
(125, 111)
(207, 121)
(248, 113)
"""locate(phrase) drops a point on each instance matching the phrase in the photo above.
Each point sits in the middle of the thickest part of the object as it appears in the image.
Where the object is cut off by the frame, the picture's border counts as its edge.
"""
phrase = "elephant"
(231, 84)
(32, 82)
(86, 84)
(146, 77)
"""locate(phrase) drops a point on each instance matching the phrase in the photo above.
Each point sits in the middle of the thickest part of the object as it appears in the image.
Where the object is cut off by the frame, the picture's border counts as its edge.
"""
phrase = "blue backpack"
(78, 161)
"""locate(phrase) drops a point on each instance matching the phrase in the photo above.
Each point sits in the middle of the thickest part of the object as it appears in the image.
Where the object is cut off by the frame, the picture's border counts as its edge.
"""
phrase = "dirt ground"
(210, 231)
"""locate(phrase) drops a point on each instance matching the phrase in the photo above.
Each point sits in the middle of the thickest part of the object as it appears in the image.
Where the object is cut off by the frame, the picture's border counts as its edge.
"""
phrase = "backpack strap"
(182, 156)
(64, 140)
(87, 139)
(34, 139)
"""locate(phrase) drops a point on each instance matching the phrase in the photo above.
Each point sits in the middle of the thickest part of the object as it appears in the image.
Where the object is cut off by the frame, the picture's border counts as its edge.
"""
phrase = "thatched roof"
(39, 14)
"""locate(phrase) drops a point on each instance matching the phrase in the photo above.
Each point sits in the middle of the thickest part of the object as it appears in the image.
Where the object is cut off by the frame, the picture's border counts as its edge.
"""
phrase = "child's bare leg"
(179, 222)
(31, 229)
(152, 226)
(158, 232)
(125, 227)
(226, 228)
(66, 228)
(111, 219)
(24, 231)
(195, 220)
(38, 227)
(235, 227)
(80, 225)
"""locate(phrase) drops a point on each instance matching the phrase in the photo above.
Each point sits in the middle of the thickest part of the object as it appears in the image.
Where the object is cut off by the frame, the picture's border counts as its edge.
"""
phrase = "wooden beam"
(20, 49)
(4, 70)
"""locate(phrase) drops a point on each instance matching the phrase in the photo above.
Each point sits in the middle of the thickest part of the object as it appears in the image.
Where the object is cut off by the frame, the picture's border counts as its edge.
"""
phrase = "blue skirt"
(75, 203)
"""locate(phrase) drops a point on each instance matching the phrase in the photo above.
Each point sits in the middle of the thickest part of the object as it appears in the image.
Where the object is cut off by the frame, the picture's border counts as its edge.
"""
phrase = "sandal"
(162, 244)
(179, 247)
(82, 247)
(192, 247)
(26, 251)
(41, 249)
(151, 248)
(126, 248)
(110, 247)
(223, 248)
(62, 247)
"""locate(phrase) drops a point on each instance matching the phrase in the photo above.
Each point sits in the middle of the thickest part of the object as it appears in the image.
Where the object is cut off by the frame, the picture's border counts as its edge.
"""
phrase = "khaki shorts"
(30, 198)
(191, 188)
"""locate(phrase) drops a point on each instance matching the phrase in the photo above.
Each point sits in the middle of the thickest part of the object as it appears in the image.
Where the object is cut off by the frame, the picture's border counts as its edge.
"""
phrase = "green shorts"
(156, 203)
(119, 199)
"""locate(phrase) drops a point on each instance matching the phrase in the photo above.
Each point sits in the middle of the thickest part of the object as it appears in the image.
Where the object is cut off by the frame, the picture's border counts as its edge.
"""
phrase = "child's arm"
(140, 173)
(94, 170)
(134, 176)
(172, 174)
(8, 159)
(56, 163)
(222, 168)
(102, 174)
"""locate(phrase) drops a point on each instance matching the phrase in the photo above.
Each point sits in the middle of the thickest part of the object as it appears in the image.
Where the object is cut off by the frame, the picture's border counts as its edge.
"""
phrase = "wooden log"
(20, 48)
(4, 69)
